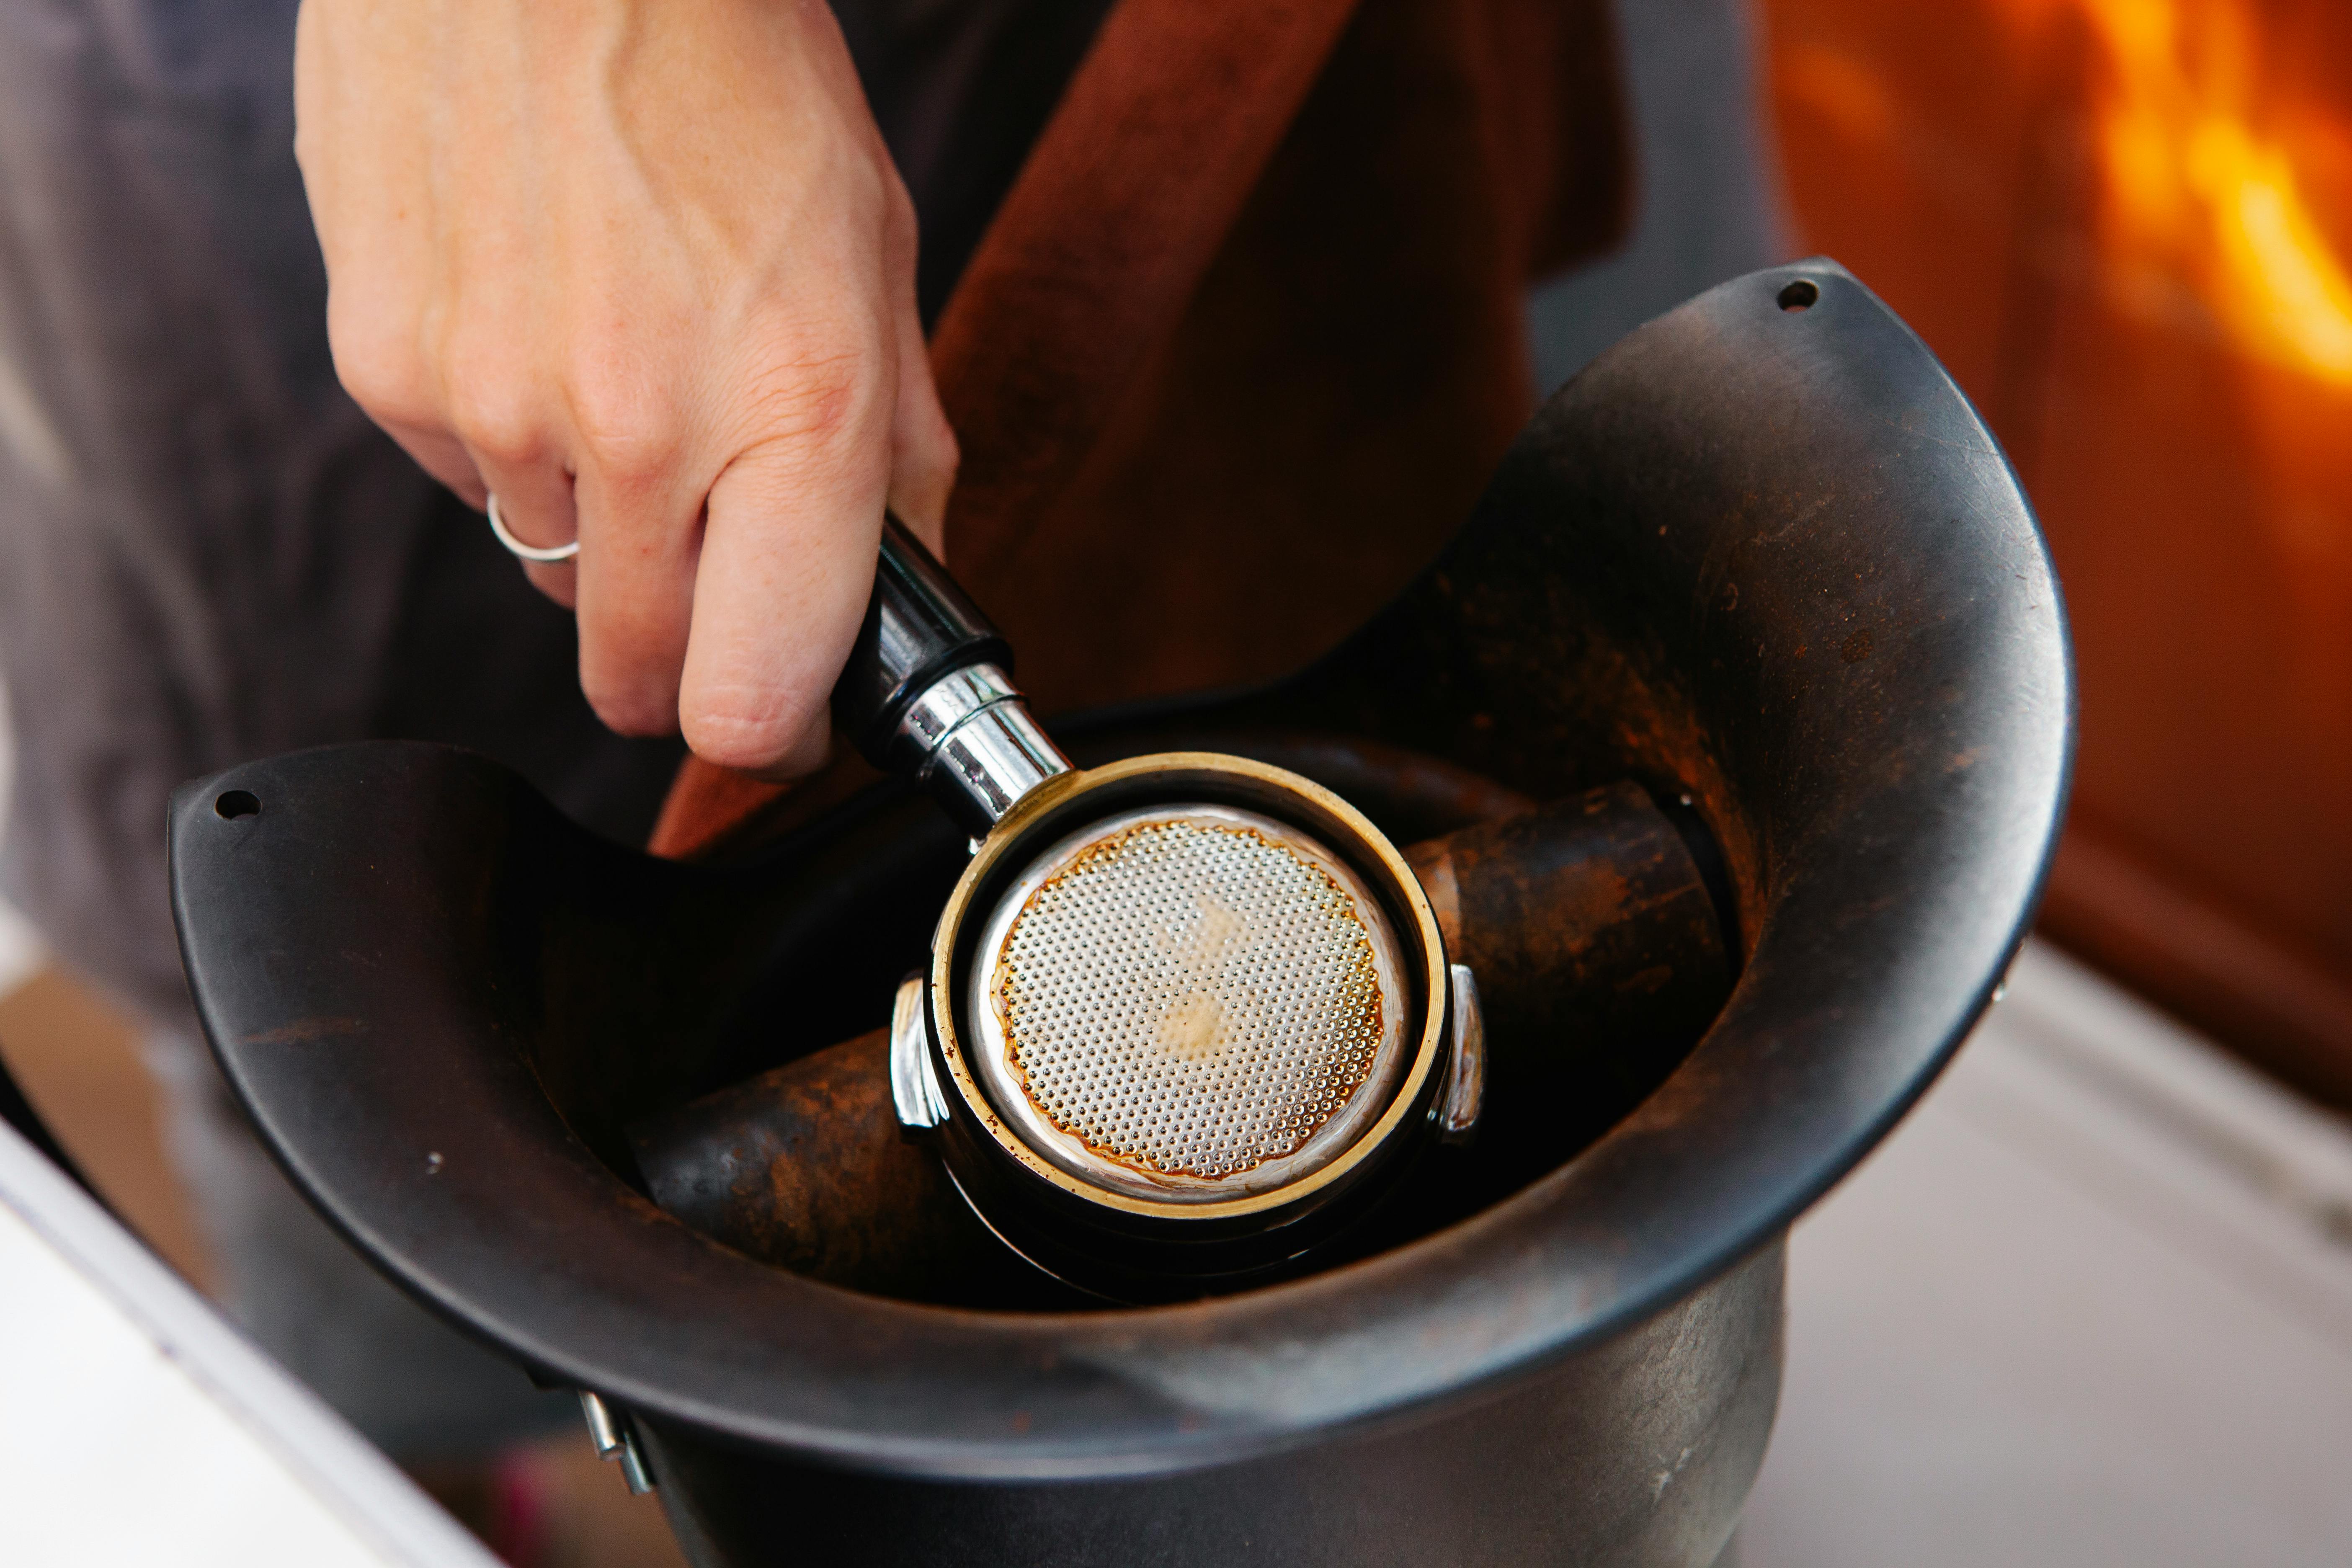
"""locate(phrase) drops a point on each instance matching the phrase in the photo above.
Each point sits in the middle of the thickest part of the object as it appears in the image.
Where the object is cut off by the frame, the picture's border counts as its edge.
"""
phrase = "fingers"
(639, 500)
(511, 435)
(923, 454)
(536, 506)
(654, 288)
(808, 753)
(786, 570)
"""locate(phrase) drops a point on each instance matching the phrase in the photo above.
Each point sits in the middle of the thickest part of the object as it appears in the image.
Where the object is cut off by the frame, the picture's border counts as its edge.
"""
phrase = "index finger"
(787, 568)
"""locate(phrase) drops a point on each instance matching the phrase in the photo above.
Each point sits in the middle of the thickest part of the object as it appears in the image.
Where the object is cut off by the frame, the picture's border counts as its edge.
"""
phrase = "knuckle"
(492, 398)
(494, 412)
(380, 369)
(817, 396)
(626, 435)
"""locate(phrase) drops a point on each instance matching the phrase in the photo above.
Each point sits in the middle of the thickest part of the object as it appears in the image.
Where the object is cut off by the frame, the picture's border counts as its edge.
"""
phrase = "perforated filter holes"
(1189, 1002)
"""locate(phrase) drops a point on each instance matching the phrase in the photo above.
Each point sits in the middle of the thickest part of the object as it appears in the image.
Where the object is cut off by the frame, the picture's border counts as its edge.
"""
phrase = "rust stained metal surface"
(1600, 955)
(1579, 919)
(804, 1167)
(1600, 959)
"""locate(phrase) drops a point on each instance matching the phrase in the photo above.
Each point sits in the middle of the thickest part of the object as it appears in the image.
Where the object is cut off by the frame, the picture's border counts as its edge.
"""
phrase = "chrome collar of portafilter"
(1188, 1016)
(925, 693)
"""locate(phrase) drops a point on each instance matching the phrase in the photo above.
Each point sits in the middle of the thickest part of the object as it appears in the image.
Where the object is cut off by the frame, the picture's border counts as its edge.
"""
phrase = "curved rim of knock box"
(1769, 556)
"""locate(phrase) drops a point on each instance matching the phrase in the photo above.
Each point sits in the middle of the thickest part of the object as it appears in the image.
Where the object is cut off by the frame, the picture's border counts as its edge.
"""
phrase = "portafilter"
(1188, 1016)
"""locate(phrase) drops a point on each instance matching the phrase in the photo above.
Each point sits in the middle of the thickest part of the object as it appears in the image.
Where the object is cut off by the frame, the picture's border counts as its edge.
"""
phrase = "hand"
(643, 268)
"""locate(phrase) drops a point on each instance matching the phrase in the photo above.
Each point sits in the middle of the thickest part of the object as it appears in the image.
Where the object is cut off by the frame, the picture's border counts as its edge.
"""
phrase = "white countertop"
(2091, 1304)
(141, 1429)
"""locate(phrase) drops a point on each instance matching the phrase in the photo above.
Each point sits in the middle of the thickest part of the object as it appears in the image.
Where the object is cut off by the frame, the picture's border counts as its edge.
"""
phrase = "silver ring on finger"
(550, 552)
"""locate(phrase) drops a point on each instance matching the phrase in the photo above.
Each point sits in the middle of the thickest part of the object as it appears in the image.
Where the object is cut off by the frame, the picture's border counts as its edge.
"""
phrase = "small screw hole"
(1800, 295)
(238, 803)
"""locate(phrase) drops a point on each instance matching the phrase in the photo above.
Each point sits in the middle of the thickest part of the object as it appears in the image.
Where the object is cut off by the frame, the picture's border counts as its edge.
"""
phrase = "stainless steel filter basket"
(1175, 1040)
(1768, 558)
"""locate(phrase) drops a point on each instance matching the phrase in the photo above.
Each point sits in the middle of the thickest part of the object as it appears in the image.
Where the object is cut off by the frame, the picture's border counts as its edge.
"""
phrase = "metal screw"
(615, 1437)
(633, 1468)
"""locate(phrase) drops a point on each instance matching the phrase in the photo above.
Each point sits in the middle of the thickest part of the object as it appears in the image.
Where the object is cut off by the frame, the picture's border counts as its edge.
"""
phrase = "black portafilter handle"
(927, 694)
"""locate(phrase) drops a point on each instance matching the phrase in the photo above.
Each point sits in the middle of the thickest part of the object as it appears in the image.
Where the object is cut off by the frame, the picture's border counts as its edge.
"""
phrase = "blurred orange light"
(2198, 195)
(1848, 90)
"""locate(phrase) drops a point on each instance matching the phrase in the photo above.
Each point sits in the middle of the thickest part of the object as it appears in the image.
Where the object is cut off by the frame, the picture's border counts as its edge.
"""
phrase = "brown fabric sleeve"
(1164, 132)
